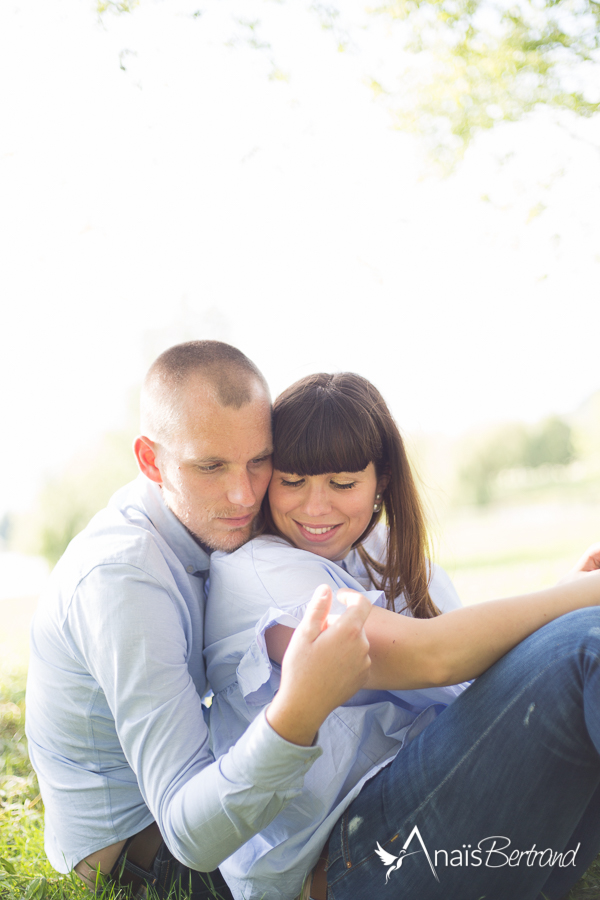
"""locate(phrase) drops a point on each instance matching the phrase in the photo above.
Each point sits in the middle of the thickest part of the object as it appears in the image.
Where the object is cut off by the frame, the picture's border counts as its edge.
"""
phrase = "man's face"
(216, 468)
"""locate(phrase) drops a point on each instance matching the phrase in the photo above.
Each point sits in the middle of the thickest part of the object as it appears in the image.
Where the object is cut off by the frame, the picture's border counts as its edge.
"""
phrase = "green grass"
(24, 870)
(506, 550)
(491, 553)
(25, 873)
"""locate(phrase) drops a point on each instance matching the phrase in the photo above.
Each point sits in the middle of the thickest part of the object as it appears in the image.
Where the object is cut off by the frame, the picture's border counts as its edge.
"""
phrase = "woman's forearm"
(409, 653)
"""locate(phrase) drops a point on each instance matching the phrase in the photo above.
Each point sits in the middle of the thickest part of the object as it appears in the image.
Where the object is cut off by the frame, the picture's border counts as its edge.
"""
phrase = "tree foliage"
(493, 61)
(72, 497)
(514, 446)
(550, 444)
(451, 68)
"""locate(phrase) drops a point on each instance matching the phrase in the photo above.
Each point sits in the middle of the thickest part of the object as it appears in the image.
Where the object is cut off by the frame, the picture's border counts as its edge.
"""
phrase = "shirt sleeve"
(442, 591)
(263, 584)
(129, 632)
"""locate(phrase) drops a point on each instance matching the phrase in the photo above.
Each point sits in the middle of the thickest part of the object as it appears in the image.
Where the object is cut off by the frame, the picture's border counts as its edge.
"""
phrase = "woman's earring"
(377, 505)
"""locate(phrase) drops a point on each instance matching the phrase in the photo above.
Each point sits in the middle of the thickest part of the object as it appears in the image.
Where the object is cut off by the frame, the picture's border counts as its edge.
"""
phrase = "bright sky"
(193, 195)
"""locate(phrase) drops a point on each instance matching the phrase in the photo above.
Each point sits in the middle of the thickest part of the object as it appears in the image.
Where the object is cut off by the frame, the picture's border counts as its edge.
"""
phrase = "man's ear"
(145, 453)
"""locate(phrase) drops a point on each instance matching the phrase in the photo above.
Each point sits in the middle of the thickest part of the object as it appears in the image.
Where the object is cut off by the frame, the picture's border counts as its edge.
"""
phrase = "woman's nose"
(317, 502)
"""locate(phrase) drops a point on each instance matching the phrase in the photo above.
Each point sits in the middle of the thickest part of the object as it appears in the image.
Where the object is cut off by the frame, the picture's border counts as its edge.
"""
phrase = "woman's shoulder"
(266, 549)
(377, 542)
(376, 546)
(442, 590)
(271, 560)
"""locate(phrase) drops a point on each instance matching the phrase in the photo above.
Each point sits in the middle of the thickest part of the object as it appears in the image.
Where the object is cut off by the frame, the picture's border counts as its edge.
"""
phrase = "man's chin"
(229, 541)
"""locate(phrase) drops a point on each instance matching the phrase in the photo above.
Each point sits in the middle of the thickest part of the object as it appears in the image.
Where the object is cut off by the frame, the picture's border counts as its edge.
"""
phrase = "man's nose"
(317, 503)
(241, 491)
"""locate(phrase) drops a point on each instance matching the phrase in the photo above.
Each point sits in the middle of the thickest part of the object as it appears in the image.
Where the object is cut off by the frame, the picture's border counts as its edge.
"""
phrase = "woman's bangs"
(324, 441)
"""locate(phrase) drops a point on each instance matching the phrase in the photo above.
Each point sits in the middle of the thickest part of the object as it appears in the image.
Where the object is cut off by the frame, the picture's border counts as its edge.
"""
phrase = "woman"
(339, 464)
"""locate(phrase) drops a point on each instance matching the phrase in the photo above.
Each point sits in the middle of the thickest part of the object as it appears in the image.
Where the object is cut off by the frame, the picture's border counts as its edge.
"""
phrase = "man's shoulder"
(121, 534)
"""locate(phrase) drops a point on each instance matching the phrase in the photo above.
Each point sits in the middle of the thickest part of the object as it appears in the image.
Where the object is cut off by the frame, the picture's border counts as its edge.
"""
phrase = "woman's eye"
(343, 487)
(292, 483)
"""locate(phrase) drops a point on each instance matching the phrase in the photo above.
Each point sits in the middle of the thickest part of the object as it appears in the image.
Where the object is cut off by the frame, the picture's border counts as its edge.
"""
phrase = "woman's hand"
(589, 562)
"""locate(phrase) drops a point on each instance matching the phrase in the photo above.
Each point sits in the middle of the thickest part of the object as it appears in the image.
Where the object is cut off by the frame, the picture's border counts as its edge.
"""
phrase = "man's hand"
(324, 665)
(589, 562)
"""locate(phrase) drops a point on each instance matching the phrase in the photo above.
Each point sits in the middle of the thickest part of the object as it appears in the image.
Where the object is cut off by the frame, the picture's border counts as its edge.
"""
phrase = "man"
(115, 722)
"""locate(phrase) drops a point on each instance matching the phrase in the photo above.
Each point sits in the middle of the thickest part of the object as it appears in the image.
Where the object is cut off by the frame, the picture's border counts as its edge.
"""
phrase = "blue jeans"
(501, 784)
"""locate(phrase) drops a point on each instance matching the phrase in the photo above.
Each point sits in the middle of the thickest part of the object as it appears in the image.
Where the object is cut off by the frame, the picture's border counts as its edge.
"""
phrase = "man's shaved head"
(226, 374)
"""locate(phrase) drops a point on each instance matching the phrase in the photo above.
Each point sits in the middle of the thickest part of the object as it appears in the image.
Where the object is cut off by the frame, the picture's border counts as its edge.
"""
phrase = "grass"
(508, 550)
(25, 873)
(490, 553)
(24, 870)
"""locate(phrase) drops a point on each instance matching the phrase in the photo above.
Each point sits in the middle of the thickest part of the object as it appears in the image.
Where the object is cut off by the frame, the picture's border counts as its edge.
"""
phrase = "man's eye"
(211, 468)
(261, 460)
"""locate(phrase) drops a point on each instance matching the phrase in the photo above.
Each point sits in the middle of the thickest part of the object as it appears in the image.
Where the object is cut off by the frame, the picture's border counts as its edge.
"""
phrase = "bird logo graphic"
(388, 859)
(395, 862)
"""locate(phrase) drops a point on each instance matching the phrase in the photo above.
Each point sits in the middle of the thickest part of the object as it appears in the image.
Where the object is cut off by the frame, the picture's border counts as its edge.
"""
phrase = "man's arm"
(324, 666)
(137, 650)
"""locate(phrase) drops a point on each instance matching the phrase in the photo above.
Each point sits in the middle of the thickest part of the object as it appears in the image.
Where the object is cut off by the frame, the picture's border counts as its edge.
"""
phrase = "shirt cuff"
(254, 669)
(263, 758)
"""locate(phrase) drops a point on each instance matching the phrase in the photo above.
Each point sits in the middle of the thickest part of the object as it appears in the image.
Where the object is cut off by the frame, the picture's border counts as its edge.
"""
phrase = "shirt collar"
(189, 552)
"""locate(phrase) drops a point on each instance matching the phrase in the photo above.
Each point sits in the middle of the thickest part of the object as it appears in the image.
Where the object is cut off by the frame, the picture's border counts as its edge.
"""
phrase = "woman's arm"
(408, 653)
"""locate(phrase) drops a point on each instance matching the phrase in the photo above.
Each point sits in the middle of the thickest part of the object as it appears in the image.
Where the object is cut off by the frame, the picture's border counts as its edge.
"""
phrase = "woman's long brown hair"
(340, 423)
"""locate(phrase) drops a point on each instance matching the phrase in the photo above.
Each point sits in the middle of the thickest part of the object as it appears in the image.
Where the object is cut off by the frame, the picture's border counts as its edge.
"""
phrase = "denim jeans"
(511, 767)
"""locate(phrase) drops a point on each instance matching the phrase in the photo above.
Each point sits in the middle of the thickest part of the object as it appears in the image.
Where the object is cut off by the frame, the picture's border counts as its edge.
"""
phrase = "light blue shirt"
(267, 581)
(114, 715)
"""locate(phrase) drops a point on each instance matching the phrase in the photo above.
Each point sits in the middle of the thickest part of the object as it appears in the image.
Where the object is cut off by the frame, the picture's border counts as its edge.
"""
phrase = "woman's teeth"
(318, 530)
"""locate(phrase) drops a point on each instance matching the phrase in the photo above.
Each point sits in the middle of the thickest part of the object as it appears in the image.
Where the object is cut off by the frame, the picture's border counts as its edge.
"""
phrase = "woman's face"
(325, 514)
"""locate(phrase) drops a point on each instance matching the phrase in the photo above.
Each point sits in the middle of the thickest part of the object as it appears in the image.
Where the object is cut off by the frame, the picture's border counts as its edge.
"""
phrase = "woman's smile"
(325, 514)
(317, 533)
(317, 529)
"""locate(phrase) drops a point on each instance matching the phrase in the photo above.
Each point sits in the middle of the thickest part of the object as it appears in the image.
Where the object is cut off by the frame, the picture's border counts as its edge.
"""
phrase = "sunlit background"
(242, 171)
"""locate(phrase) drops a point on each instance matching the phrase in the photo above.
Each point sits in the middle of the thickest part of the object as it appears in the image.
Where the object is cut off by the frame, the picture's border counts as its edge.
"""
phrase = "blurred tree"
(68, 501)
(495, 60)
(512, 446)
(6, 525)
(499, 449)
(115, 5)
(586, 429)
(448, 68)
(550, 444)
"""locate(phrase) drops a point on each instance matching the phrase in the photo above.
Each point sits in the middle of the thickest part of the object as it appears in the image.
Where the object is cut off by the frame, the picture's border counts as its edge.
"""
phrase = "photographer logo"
(493, 852)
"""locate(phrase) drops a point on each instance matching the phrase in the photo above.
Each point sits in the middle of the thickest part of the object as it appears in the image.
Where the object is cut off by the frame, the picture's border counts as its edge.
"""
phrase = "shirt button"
(190, 570)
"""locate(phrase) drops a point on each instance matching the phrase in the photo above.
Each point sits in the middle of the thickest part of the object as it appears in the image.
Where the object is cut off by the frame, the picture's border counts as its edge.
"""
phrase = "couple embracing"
(278, 557)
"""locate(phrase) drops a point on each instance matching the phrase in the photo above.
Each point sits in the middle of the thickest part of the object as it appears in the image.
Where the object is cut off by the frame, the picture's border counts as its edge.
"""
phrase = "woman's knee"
(579, 625)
